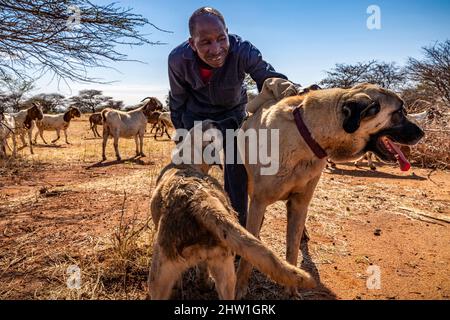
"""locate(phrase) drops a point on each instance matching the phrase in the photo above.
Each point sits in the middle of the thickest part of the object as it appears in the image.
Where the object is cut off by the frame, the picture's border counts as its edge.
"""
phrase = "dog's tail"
(215, 218)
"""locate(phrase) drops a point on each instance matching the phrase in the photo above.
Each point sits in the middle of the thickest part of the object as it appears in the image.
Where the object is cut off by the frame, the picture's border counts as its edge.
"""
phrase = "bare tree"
(65, 36)
(14, 89)
(434, 70)
(167, 100)
(386, 75)
(252, 88)
(346, 75)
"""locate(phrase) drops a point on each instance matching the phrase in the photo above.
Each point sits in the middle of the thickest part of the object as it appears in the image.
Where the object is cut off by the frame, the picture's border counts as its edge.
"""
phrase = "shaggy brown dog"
(196, 223)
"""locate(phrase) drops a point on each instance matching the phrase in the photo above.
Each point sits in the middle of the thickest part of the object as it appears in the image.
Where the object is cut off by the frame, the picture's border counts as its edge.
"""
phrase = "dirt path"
(59, 209)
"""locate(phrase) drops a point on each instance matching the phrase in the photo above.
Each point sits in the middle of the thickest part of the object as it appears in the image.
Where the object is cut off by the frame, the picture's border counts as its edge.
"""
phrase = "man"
(206, 75)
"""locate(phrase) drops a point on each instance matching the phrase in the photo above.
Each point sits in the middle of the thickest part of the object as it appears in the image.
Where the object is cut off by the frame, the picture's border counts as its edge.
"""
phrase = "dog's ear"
(356, 110)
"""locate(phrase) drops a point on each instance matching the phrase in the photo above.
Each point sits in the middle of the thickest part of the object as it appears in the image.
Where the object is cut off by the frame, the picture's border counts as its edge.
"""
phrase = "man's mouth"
(393, 151)
(217, 59)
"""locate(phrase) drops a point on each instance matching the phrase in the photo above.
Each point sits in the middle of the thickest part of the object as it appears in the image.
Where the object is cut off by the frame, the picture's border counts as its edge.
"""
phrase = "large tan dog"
(196, 223)
(344, 123)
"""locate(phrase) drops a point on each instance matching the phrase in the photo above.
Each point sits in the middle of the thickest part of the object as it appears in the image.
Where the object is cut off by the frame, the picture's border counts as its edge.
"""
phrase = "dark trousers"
(235, 175)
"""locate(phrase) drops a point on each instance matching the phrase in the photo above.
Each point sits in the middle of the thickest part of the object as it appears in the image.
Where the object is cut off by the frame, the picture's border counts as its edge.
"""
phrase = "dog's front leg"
(297, 209)
(254, 223)
(296, 217)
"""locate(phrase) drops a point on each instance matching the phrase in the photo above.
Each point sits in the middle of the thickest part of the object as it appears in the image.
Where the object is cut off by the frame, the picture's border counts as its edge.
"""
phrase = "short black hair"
(201, 12)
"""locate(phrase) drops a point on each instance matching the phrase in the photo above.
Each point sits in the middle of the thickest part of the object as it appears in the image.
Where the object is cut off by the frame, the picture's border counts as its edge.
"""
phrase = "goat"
(21, 123)
(95, 119)
(56, 122)
(161, 122)
(153, 103)
(153, 119)
(426, 116)
(4, 132)
(126, 125)
(165, 122)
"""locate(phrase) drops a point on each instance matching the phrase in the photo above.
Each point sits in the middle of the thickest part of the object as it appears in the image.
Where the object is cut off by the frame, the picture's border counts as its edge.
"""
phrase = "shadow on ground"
(367, 173)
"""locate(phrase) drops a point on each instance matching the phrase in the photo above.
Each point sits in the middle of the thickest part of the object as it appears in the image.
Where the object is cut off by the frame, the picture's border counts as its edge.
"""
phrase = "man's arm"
(177, 97)
(259, 69)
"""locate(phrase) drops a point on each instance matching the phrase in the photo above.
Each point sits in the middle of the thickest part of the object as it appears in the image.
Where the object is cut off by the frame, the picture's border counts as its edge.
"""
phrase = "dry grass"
(434, 150)
(114, 264)
(61, 207)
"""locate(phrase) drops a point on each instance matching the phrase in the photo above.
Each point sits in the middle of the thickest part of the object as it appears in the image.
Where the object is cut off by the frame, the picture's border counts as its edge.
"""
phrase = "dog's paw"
(241, 291)
(207, 284)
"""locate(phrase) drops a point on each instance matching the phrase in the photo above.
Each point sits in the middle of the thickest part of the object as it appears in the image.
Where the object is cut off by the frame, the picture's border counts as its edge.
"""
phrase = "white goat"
(21, 123)
(56, 122)
(4, 133)
(125, 125)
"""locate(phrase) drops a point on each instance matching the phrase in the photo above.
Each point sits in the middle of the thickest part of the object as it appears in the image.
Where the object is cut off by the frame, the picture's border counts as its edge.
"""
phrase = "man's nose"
(215, 47)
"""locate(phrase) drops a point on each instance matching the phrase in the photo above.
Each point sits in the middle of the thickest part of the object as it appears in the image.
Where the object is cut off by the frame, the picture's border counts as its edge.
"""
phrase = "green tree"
(50, 102)
(89, 100)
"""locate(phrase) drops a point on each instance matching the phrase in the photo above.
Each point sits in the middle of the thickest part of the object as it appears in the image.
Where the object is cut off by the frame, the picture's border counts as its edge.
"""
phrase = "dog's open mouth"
(393, 152)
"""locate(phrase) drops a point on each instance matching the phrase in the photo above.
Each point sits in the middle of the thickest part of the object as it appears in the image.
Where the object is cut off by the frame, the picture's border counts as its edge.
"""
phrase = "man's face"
(210, 40)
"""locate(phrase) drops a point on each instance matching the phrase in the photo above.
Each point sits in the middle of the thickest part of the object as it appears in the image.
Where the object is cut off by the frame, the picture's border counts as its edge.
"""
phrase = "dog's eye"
(398, 116)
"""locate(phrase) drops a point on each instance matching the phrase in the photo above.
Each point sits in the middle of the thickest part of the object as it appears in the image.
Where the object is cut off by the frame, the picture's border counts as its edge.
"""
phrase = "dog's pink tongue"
(404, 163)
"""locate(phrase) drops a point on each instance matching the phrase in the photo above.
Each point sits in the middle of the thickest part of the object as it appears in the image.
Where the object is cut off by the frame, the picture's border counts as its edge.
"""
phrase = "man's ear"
(354, 111)
(191, 43)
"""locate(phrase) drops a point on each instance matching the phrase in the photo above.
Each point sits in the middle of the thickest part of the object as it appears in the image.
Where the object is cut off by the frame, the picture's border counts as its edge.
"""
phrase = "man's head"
(209, 36)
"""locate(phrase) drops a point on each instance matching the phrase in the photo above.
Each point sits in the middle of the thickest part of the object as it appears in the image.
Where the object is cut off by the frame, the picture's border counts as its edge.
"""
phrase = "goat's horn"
(145, 99)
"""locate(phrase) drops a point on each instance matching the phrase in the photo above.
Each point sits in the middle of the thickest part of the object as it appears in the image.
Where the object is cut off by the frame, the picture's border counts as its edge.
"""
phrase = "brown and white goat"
(56, 122)
(19, 124)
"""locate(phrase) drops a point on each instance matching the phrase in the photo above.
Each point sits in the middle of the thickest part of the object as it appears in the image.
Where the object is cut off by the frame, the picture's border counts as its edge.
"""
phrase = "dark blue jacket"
(225, 93)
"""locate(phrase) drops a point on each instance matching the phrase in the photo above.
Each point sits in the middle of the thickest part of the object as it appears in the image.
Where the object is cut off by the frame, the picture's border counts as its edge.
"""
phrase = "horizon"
(303, 42)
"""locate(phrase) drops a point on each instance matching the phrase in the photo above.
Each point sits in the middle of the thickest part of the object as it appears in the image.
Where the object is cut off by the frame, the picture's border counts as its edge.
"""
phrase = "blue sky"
(299, 38)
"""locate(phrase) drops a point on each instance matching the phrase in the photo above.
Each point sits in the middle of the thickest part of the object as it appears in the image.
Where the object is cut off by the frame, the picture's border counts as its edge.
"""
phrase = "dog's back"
(196, 223)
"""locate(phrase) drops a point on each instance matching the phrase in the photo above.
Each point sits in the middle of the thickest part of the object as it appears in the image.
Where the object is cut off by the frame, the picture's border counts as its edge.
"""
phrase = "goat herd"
(116, 124)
